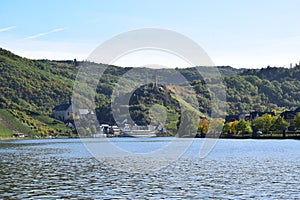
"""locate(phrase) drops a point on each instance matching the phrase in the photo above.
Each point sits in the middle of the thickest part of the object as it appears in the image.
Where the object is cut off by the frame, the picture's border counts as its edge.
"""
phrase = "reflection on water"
(63, 169)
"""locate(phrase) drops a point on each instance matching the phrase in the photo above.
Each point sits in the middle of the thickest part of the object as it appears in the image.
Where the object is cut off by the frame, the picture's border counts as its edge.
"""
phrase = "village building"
(231, 118)
(246, 116)
(64, 112)
(83, 112)
(254, 115)
(289, 116)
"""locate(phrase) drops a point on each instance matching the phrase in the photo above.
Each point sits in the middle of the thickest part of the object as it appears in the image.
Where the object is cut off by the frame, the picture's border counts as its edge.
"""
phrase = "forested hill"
(39, 85)
(36, 86)
(274, 73)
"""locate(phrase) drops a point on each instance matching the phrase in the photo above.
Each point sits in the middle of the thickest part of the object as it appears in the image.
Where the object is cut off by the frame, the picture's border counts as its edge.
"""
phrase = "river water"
(65, 169)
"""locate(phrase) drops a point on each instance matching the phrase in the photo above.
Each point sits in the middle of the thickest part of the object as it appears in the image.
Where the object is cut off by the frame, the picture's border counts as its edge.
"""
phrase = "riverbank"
(259, 137)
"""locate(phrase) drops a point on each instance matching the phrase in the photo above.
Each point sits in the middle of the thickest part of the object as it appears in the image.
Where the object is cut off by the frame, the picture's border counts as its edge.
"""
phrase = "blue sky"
(240, 33)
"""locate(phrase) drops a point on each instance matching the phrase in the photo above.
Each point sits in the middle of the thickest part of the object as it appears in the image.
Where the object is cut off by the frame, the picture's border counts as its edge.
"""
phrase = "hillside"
(31, 88)
(34, 85)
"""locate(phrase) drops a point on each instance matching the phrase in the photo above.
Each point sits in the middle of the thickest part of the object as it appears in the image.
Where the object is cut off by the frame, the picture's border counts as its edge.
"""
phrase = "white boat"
(138, 131)
(110, 131)
(115, 130)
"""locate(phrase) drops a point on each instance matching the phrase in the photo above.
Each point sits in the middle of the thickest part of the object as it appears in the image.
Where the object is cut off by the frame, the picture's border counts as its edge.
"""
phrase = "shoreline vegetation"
(247, 136)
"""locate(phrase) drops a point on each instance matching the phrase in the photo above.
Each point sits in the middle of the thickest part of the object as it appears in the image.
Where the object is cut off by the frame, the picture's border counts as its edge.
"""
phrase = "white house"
(83, 112)
(63, 112)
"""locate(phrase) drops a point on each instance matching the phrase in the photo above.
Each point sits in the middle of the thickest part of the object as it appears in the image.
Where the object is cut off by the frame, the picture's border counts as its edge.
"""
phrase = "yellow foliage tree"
(203, 125)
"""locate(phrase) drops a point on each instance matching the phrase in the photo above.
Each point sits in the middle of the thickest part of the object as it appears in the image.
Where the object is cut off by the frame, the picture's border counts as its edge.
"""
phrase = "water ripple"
(58, 171)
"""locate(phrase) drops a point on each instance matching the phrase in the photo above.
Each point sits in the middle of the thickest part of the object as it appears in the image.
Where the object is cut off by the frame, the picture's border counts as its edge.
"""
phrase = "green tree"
(189, 121)
(215, 127)
(297, 121)
(280, 124)
(81, 131)
(93, 129)
(264, 122)
(226, 128)
(243, 126)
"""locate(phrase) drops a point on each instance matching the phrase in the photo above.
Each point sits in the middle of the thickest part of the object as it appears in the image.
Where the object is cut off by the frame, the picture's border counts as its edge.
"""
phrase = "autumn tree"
(280, 124)
(264, 122)
(243, 126)
(203, 126)
(230, 127)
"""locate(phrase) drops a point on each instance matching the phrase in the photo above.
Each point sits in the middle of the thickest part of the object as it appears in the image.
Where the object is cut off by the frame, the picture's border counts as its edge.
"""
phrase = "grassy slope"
(51, 122)
(19, 126)
(30, 125)
(4, 131)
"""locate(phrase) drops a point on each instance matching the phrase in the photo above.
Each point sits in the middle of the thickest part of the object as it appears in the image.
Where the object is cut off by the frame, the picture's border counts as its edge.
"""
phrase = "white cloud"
(7, 28)
(45, 33)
